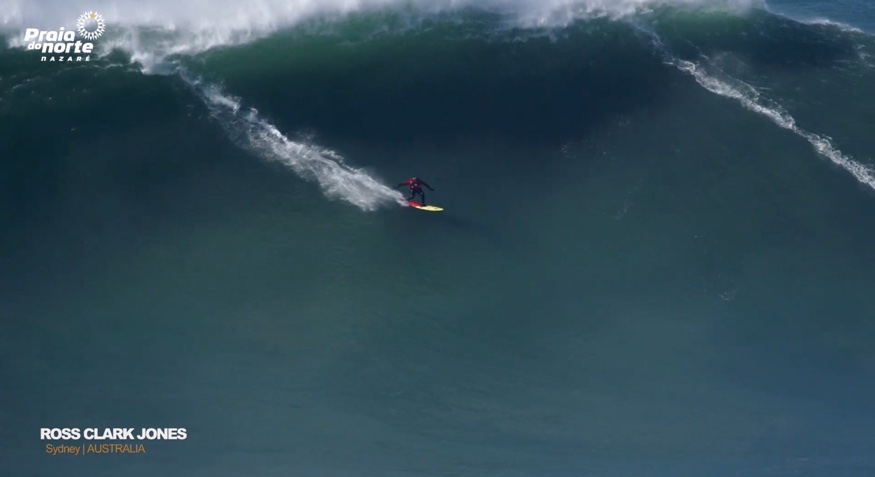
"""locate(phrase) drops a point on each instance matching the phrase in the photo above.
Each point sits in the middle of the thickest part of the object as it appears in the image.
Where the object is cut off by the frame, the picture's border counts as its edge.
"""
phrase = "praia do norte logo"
(62, 45)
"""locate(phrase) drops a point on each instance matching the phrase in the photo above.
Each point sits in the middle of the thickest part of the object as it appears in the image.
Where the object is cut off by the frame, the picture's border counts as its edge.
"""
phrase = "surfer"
(415, 184)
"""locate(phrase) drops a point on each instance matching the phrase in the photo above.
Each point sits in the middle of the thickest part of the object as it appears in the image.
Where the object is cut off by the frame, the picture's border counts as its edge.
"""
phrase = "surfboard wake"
(252, 132)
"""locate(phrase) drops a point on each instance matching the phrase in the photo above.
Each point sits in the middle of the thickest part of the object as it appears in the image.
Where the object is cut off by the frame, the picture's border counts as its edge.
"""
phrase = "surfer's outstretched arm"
(423, 183)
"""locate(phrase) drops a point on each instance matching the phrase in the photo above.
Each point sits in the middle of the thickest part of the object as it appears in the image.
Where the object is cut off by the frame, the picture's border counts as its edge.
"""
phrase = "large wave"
(153, 30)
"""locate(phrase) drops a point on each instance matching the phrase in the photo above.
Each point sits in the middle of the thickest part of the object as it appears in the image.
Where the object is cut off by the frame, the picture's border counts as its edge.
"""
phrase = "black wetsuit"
(415, 185)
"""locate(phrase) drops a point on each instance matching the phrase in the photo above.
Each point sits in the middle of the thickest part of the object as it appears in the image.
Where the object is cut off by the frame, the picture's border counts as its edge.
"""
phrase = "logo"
(90, 25)
(62, 45)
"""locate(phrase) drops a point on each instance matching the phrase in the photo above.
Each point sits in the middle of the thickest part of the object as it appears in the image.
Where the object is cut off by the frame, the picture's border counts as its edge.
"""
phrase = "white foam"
(833, 23)
(324, 166)
(809, 20)
(752, 100)
(152, 30)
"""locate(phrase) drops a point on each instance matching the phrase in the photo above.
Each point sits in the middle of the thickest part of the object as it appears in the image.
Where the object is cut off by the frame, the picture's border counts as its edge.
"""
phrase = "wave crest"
(152, 31)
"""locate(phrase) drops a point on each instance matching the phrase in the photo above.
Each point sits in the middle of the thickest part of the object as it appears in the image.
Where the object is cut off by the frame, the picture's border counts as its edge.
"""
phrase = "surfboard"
(419, 206)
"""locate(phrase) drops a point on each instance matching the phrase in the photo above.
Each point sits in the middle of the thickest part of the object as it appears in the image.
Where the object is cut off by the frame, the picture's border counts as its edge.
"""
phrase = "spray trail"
(752, 100)
(724, 85)
(324, 166)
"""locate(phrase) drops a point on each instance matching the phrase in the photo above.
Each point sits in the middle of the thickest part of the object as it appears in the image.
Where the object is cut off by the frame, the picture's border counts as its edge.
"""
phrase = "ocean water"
(656, 256)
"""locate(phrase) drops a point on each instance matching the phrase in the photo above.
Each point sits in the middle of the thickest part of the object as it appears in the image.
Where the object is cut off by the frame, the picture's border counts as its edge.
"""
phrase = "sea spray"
(311, 162)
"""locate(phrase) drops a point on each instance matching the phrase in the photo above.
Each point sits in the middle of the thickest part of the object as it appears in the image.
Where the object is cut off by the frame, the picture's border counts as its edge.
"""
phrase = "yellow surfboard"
(419, 206)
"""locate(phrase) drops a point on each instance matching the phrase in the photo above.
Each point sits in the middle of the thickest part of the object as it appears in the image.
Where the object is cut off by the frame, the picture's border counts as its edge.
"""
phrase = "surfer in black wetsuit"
(415, 184)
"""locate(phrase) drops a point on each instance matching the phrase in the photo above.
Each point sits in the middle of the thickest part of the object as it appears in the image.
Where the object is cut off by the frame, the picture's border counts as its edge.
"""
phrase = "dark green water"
(633, 275)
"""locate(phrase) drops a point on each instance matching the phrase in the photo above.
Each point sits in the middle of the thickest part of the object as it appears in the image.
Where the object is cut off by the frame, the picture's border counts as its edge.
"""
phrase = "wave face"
(655, 256)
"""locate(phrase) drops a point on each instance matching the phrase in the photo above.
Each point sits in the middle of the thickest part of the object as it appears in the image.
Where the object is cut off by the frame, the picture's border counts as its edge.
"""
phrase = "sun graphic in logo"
(90, 25)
